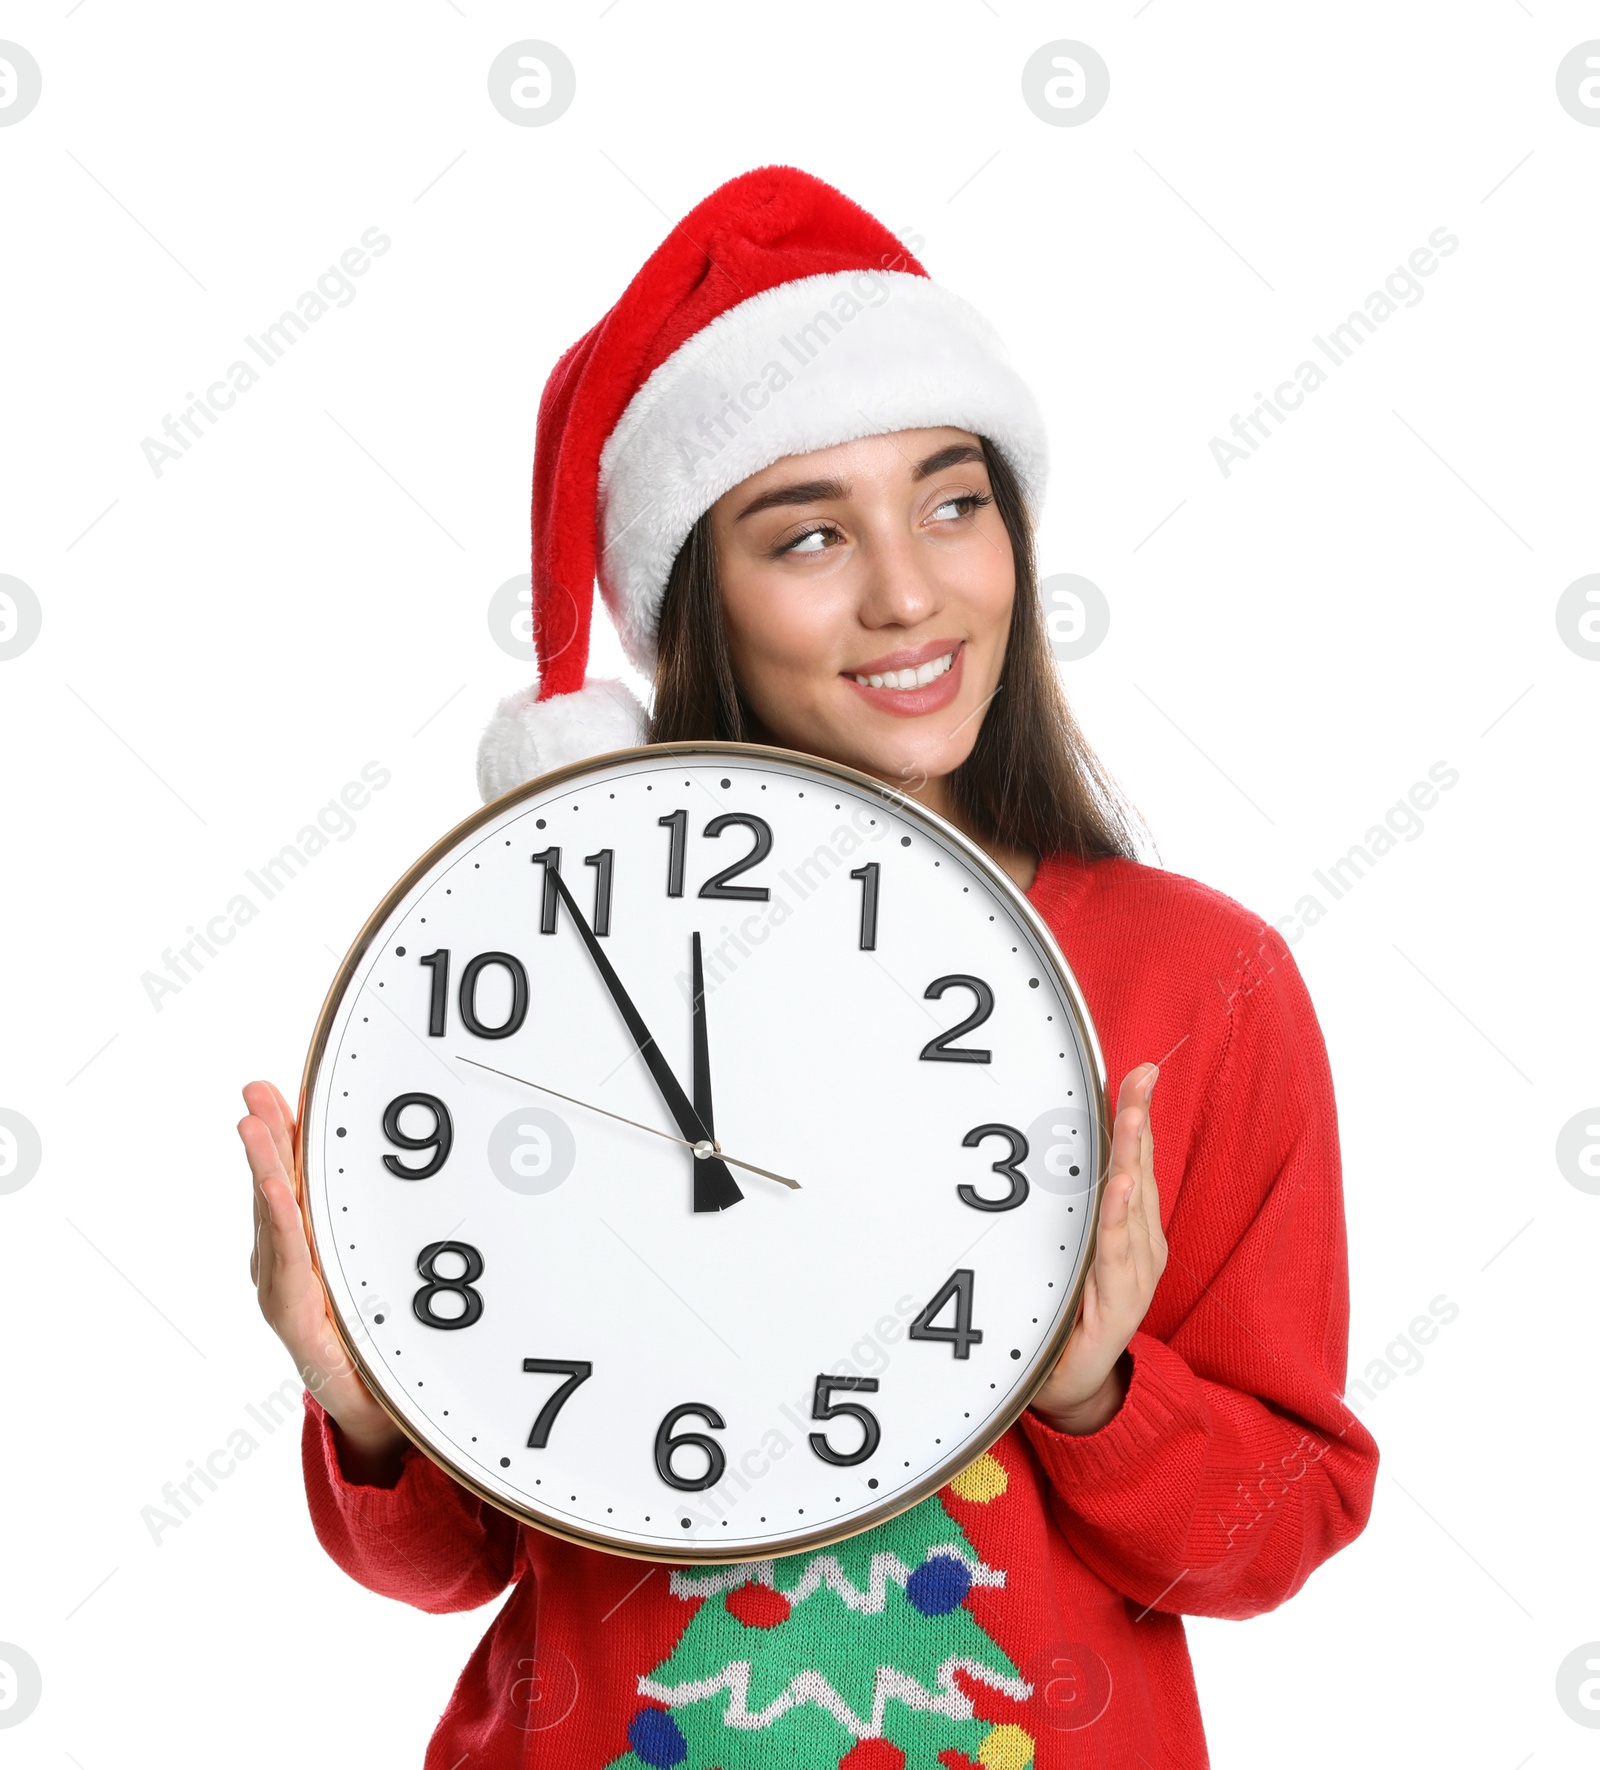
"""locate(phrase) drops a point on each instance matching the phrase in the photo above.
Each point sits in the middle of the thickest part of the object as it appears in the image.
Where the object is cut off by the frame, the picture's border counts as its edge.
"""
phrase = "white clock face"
(667, 1354)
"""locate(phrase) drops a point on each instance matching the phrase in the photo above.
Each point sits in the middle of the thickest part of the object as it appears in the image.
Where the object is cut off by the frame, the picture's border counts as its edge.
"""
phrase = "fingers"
(260, 1149)
(1137, 1086)
(287, 1118)
(1131, 1148)
(283, 1105)
(280, 1260)
(262, 1155)
(257, 1217)
(1131, 1250)
(291, 1255)
(1145, 1204)
(1143, 1176)
(268, 1105)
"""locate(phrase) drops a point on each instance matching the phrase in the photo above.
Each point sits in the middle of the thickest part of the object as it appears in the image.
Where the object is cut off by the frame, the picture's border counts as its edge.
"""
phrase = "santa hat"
(776, 318)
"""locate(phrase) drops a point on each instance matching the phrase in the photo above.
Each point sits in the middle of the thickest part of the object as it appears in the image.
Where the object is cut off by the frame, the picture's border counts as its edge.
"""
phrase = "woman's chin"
(902, 752)
(910, 766)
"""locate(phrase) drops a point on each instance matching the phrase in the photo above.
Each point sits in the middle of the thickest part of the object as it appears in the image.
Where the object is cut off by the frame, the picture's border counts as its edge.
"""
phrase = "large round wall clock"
(701, 1149)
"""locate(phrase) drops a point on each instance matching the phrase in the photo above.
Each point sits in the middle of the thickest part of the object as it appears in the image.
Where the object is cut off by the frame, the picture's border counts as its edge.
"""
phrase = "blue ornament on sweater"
(657, 1740)
(939, 1585)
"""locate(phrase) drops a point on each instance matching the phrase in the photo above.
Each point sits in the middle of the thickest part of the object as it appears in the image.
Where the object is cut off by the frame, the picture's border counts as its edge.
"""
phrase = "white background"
(1291, 647)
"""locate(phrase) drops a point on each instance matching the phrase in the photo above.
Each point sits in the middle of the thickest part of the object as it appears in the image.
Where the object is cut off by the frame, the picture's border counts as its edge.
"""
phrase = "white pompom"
(528, 736)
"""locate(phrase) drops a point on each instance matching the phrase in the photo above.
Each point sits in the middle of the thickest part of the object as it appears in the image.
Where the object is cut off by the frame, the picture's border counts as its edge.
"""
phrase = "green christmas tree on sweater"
(845, 1657)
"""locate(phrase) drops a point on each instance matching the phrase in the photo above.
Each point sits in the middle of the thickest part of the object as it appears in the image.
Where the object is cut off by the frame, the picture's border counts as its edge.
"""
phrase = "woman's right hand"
(294, 1302)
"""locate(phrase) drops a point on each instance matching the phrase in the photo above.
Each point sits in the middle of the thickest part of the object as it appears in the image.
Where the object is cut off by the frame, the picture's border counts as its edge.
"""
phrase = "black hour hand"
(714, 1186)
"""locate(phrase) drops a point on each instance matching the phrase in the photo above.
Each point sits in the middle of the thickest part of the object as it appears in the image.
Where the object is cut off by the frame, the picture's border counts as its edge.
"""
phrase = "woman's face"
(854, 571)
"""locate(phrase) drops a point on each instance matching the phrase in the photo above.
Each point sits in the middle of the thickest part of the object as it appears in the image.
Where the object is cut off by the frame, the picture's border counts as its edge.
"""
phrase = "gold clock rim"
(1088, 1040)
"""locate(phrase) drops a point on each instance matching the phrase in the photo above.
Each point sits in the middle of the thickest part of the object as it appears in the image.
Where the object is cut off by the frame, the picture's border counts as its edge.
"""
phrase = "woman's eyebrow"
(951, 456)
(816, 491)
(810, 491)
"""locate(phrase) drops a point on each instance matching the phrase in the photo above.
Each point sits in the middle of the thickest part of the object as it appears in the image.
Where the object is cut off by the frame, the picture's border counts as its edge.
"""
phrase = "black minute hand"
(714, 1187)
(700, 1080)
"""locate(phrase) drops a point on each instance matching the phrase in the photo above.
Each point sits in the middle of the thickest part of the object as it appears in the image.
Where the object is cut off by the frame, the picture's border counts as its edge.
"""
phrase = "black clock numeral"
(940, 1050)
(969, 1195)
(600, 922)
(550, 860)
(576, 1371)
(717, 885)
(678, 823)
(460, 1286)
(824, 1407)
(963, 1336)
(550, 897)
(439, 989)
(868, 875)
(667, 1445)
(519, 995)
(438, 1140)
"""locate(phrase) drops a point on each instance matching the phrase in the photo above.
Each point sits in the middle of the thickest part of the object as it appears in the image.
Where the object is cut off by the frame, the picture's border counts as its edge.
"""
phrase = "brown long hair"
(1032, 779)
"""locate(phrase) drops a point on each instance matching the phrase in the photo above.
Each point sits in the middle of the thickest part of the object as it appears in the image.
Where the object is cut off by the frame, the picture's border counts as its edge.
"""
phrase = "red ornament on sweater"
(873, 1754)
(760, 1607)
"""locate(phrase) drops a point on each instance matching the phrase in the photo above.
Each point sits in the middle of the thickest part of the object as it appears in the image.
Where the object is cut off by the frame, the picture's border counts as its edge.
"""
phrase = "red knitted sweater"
(1031, 1611)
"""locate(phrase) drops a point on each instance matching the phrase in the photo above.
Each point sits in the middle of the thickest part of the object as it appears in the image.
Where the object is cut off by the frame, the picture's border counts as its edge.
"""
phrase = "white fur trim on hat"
(802, 366)
(529, 736)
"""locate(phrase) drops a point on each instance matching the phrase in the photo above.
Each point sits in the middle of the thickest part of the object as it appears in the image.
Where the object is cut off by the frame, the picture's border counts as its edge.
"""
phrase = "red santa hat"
(776, 318)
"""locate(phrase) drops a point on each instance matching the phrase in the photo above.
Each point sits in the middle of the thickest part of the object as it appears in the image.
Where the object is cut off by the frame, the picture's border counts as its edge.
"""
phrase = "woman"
(839, 560)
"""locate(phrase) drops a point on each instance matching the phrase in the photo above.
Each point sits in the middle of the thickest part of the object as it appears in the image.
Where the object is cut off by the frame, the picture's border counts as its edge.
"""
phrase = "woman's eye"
(803, 543)
(818, 540)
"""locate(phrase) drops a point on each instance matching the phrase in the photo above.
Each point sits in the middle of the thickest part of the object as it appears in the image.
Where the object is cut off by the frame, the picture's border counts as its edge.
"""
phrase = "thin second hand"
(604, 1112)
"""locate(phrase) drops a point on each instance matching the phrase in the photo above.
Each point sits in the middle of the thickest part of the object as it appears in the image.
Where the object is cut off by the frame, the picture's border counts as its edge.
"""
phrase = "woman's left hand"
(1090, 1380)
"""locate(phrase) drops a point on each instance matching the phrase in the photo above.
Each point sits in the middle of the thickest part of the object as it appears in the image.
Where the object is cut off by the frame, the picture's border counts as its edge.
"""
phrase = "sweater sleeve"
(426, 1541)
(1233, 1467)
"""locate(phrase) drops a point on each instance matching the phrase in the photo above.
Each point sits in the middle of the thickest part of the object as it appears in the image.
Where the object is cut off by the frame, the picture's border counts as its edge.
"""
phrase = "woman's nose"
(899, 587)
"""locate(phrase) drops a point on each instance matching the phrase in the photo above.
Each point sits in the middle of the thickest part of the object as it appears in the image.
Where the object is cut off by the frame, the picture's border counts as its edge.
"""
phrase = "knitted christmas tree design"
(848, 1657)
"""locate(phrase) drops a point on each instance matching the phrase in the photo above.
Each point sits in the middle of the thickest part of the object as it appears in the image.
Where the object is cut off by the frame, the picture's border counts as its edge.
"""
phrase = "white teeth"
(918, 678)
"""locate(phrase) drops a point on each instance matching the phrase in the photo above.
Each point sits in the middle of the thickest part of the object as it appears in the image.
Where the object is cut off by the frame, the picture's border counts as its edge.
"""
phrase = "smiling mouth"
(918, 678)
